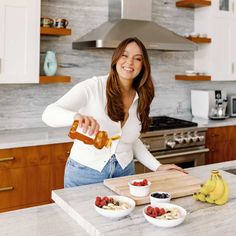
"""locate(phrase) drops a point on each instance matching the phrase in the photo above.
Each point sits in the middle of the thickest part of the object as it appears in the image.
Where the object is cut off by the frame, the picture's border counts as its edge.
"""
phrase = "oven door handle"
(183, 153)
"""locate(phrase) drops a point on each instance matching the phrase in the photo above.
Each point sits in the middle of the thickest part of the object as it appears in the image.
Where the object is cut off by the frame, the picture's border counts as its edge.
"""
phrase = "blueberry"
(160, 195)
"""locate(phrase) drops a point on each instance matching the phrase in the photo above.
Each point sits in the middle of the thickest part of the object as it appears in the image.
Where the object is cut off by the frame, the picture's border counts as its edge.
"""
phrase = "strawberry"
(162, 211)
(106, 199)
(154, 214)
(97, 203)
(103, 203)
(157, 210)
(149, 214)
(145, 182)
(149, 210)
(98, 198)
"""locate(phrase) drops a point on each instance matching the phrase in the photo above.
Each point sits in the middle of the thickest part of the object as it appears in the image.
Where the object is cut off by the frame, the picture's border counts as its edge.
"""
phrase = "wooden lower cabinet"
(221, 142)
(29, 174)
(57, 176)
(140, 168)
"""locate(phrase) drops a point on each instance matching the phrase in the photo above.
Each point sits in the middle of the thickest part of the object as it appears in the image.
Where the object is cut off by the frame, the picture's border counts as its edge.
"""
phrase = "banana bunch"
(214, 190)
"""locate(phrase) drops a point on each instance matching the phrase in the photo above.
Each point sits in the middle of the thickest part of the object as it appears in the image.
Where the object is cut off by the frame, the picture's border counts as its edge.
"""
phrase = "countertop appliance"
(178, 141)
(209, 104)
(231, 108)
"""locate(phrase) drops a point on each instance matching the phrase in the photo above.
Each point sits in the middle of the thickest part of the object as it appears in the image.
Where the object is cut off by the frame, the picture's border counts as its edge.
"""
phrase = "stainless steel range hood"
(132, 18)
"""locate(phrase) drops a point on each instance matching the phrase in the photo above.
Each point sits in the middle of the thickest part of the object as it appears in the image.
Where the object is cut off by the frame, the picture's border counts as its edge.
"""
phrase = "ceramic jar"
(50, 63)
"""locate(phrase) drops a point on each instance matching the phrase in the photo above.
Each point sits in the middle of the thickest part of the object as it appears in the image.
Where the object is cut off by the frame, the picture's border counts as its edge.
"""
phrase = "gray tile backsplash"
(21, 105)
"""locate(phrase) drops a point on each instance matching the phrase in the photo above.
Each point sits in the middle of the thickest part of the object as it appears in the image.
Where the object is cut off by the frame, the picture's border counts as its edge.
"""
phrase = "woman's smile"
(130, 62)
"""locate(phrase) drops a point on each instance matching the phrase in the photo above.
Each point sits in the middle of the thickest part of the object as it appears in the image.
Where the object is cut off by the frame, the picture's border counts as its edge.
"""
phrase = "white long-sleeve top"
(89, 98)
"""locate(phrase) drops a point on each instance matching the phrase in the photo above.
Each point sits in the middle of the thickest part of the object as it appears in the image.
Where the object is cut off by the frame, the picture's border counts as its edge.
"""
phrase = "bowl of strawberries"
(114, 207)
(164, 214)
(139, 187)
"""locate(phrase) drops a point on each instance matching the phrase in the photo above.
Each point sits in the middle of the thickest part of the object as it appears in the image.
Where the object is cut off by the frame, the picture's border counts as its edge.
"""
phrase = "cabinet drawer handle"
(6, 189)
(7, 159)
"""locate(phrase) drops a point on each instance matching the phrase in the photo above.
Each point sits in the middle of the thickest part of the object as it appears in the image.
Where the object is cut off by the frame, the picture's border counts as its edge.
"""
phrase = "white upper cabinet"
(224, 8)
(219, 57)
(19, 41)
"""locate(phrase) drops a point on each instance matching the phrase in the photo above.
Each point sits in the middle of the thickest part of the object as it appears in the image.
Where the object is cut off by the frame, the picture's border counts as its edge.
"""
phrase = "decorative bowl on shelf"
(190, 73)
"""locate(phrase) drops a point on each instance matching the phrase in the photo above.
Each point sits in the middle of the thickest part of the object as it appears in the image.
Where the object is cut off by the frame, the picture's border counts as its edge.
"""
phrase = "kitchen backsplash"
(21, 106)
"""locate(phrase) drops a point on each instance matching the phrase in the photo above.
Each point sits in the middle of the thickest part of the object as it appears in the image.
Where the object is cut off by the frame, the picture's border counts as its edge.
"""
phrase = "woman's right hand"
(87, 123)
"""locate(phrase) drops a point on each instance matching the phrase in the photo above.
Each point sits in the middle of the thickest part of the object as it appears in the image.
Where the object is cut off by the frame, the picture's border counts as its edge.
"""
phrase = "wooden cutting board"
(175, 182)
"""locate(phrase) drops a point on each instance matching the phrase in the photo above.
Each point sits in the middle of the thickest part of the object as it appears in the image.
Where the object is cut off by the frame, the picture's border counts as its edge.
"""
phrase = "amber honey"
(101, 139)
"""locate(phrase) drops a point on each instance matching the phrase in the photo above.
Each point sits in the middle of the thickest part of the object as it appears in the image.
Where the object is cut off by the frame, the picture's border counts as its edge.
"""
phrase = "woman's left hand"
(171, 167)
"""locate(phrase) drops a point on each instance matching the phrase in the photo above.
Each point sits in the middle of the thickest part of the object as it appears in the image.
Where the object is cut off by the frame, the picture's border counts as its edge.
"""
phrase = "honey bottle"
(101, 139)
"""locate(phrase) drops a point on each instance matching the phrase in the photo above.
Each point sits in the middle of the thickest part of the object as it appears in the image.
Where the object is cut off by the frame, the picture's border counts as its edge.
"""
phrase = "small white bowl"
(139, 191)
(194, 34)
(118, 213)
(155, 200)
(164, 222)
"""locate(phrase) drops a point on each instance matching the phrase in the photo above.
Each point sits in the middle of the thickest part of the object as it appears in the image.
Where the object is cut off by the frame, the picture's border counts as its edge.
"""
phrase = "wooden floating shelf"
(54, 31)
(199, 40)
(193, 3)
(193, 78)
(54, 79)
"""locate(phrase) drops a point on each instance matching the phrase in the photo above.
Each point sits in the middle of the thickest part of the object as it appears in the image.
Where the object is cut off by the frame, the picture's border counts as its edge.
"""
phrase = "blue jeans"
(77, 174)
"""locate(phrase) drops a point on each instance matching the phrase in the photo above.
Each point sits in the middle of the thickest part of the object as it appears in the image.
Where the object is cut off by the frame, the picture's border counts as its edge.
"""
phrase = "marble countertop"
(34, 136)
(46, 135)
(203, 218)
(46, 220)
(73, 214)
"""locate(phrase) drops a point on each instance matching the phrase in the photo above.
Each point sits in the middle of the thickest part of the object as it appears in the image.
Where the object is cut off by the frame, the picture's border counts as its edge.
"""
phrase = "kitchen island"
(203, 218)
(77, 204)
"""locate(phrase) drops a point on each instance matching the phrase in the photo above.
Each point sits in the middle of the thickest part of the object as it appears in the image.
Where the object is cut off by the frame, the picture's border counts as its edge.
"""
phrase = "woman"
(118, 103)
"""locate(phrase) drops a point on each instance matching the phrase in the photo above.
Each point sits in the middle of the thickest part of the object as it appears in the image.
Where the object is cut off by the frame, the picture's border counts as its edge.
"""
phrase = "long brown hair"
(142, 84)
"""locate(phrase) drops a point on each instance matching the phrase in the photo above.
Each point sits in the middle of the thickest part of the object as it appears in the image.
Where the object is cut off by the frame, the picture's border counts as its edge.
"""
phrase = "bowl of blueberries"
(159, 197)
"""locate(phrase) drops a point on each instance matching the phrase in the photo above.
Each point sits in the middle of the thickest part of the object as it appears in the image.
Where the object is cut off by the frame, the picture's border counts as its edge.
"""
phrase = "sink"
(231, 171)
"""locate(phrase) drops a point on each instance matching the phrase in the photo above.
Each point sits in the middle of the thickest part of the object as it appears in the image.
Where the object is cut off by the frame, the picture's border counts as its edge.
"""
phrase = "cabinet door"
(221, 65)
(232, 150)
(20, 39)
(233, 50)
(12, 188)
(21, 187)
(60, 153)
(218, 152)
(224, 8)
(222, 50)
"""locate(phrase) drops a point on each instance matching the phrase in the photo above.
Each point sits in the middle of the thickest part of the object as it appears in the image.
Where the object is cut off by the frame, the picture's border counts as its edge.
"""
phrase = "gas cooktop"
(165, 122)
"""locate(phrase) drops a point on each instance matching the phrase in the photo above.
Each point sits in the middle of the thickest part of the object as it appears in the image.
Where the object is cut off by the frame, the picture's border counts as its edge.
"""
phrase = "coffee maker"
(219, 110)
(209, 104)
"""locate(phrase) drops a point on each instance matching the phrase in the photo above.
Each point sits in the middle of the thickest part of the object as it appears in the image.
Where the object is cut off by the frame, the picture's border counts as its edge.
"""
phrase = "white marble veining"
(21, 106)
(46, 135)
(33, 137)
(77, 214)
(47, 220)
(203, 218)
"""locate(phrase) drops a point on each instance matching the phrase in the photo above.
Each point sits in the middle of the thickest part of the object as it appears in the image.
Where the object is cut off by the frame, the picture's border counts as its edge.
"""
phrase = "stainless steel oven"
(184, 145)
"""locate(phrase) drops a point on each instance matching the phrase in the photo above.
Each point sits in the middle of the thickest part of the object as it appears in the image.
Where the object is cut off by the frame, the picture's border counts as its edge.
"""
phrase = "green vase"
(50, 63)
